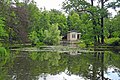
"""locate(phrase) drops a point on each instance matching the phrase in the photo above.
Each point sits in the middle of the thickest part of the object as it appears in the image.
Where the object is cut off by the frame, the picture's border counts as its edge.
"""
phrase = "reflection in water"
(113, 73)
(63, 66)
(62, 76)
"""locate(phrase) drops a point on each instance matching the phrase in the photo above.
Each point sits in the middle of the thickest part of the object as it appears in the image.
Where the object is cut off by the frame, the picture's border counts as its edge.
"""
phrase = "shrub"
(52, 35)
(40, 44)
(113, 41)
(82, 45)
(3, 51)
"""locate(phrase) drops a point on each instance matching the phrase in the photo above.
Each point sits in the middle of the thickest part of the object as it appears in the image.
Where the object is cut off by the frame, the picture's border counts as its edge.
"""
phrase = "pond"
(45, 65)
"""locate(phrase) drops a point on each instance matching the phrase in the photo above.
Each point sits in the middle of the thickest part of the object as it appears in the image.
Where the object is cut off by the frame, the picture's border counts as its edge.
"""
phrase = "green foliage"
(112, 27)
(83, 16)
(36, 38)
(81, 24)
(56, 17)
(52, 35)
(33, 55)
(113, 41)
(84, 64)
(52, 57)
(53, 63)
(4, 56)
(3, 52)
(44, 25)
(74, 22)
(38, 44)
(75, 5)
(82, 44)
(44, 20)
(33, 37)
(2, 30)
(95, 13)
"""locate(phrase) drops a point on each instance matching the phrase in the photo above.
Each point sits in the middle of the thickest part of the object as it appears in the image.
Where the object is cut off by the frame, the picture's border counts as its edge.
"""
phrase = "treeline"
(22, 22)
(98, 14)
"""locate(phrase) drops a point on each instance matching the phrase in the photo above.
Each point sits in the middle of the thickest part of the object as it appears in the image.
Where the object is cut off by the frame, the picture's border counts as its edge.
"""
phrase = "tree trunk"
(92, 2)
(102, 67)
(98, 39)
(102, 24)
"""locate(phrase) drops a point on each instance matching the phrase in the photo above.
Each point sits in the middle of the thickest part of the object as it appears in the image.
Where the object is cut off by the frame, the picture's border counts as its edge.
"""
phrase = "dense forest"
(23, 22)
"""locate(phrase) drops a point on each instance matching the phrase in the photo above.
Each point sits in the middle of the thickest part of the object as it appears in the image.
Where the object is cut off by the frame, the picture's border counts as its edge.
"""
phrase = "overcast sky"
(50, 4)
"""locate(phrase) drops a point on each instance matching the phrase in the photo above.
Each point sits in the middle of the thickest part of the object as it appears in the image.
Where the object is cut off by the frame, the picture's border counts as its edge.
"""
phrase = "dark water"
(60, 66)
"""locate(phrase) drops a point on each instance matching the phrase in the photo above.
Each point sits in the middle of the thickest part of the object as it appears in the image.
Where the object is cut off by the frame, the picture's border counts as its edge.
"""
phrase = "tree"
(97, 13)
(52, 35)
(49, 36)
(116, 25)
(15, 15)
(20, 21)
(74, 22)
(59, 18)
(102, 22)
(44, 25)
(84, 7)
(112, 27)
(34, 15)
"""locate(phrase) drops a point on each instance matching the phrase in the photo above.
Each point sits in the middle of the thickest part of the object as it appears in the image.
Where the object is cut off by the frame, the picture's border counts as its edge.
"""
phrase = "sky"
(49, 4)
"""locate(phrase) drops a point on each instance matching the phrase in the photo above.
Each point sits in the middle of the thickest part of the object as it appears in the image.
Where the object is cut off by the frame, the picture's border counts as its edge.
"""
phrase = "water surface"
(60, 66)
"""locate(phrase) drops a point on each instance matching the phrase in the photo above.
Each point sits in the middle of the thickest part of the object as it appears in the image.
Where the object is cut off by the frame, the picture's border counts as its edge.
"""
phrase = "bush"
(40, 44)
(52, 35)
(113, 41)
(82, 45)
(3, 52)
